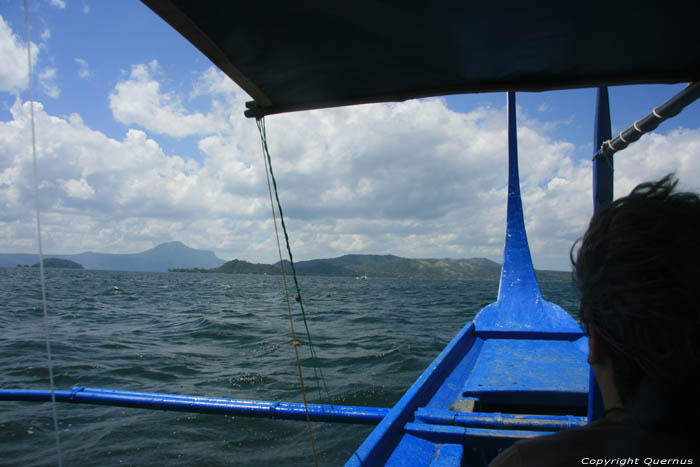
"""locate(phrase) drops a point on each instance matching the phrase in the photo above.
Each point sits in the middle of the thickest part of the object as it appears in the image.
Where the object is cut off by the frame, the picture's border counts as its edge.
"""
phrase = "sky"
(141, 140)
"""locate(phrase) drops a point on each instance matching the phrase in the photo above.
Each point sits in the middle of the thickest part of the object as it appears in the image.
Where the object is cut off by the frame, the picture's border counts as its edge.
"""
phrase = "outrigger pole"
(282, 410)
(205, 405)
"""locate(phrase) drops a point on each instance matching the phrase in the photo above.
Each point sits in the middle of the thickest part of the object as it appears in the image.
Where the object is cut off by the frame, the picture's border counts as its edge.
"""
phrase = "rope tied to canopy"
(318, 374)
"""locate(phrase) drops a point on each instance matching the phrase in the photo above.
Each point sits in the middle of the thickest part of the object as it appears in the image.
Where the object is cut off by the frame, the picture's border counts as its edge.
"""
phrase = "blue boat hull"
(540, 380)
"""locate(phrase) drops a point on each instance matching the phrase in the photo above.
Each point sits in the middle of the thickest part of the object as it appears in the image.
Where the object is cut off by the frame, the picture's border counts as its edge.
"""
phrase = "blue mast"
(603, 166)
(520, 306)
(518, 281)
(602, 194)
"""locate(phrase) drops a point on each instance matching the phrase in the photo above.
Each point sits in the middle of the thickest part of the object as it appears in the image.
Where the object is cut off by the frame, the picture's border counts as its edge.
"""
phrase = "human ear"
(594, 350)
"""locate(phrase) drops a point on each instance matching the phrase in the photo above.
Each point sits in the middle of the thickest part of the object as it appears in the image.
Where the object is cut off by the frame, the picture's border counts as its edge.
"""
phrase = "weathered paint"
(520, 306)
(208, 405)
(499, 420)
(542, 371)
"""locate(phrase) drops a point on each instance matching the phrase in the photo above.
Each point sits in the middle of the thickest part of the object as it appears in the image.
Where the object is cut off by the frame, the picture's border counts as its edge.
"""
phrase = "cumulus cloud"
(58, 3)
(13, 56)
(413, 178)
(78, 188)
(657, 154)
(139, 100)
(107, 191)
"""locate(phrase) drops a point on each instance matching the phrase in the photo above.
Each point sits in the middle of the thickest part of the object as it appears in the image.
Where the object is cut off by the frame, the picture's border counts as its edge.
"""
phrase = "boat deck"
(540, 371)
(480, 395)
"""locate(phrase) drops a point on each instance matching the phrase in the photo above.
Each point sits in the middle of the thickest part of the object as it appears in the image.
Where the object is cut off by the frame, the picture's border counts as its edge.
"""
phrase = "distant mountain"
(161, 258)
(236, 267)
(384, 266)
(396, 266)
(59, 264)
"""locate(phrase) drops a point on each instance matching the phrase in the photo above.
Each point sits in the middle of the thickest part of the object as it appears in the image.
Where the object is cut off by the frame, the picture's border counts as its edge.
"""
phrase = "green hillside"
(383, 266)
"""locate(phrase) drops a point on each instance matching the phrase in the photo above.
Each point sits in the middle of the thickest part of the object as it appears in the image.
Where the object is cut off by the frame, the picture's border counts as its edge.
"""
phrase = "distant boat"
(361, 277)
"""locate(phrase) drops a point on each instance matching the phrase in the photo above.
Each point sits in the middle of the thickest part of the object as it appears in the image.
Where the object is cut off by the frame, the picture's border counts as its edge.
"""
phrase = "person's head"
(638, 270)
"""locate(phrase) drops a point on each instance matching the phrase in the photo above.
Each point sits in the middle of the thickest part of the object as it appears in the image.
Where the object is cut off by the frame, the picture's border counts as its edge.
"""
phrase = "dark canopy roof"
(297, 55)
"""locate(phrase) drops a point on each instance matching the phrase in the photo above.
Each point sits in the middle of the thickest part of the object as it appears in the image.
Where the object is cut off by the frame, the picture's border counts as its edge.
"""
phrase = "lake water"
(215, 335)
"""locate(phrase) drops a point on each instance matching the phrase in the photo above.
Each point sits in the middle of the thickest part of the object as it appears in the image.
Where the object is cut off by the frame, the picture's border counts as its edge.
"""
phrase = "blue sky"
(141, 140)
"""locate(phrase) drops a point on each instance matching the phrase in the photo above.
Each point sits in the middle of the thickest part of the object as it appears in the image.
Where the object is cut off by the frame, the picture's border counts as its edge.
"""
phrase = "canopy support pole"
(603, 165)
(603, 169)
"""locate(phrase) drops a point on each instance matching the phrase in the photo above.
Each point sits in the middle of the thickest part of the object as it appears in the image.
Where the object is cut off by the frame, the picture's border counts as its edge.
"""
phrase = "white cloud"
(214, 81)
(47, 80)
(46, 34)
(86, 8)
(13, 56)
(58, 3)
(104, 189)
(78, 188)
(83, 68)
(655, 155)
(139, 100)
(412, 178)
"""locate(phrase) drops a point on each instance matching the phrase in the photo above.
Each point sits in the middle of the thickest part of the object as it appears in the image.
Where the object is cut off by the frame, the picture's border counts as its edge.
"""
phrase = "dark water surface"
(215, 335)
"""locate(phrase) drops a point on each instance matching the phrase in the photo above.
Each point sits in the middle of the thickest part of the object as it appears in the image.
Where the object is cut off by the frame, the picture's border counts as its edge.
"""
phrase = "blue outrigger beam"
(280, 410)
(207, 405)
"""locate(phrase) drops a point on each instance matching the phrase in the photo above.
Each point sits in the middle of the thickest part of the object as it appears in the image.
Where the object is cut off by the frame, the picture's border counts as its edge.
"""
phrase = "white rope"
(38, 236)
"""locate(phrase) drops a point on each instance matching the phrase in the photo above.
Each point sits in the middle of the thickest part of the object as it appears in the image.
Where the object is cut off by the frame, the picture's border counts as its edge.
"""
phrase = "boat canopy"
(301, 55)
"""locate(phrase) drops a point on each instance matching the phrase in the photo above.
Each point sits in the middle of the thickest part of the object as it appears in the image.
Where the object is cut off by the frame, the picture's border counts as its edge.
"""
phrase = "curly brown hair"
(638, 270)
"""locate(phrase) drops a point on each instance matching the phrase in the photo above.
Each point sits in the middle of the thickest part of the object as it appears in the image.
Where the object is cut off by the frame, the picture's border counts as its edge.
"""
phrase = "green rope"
(318, 373)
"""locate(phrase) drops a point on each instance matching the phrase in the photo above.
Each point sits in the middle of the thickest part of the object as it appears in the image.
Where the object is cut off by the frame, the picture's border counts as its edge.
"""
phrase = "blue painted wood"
(209, 405)
(499, 420)
(473, 437)
(422, 451)
(520, 305)
(383, 441)
(448, 455)
(529, 372)
(603, 165)
(603, 173)
(450, 391)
